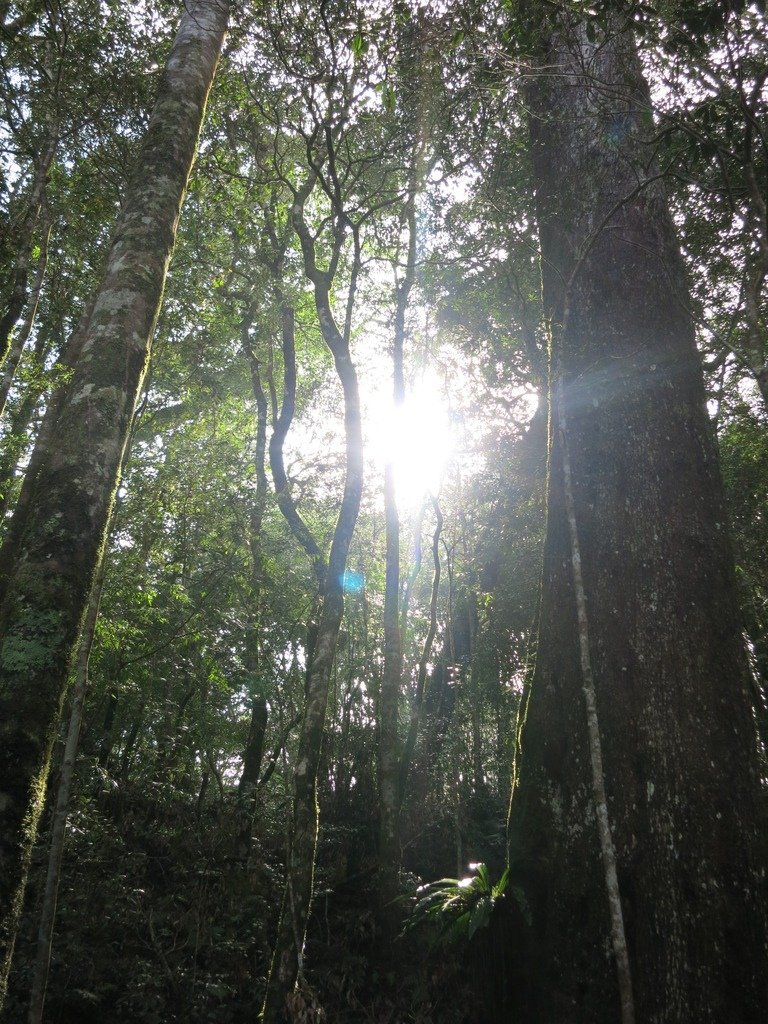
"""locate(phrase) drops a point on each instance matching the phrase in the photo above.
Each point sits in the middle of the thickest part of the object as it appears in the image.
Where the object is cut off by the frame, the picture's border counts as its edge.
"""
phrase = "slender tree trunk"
(415, 77)
(635, 822)
(47, 576)
(58, 827)
(126, 754)
(392, 672)
(297, 898)
(45, 446)
(409, 747)
(108, 725)
(19, 276)
(761, 377)
(254, 748)
(15, 444)
(756, 275)
(20, 436)
(21, 338)
(415, 569)
(282, 425)
(278, 749)
(283, 496)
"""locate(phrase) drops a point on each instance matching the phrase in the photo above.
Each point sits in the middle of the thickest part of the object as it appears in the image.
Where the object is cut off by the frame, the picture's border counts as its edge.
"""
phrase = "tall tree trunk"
(20, 339)
(415, 82)
(21, 432)
(20, 428)
(47, 576)
(756, 275)
(297, 897)
(254, 747)
(409, 747)
(392, 672)
(18, 277)
(635, 820)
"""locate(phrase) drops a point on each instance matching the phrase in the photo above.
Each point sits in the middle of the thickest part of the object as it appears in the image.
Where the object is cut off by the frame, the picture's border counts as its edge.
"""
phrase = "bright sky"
(418, 438)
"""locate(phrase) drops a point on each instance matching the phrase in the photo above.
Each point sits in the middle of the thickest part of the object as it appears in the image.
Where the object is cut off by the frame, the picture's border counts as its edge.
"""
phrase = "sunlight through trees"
(384, 504)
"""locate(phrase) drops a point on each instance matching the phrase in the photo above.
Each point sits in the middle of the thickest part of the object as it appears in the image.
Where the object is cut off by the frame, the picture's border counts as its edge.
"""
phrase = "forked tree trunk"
(47, 577)
(641, 686)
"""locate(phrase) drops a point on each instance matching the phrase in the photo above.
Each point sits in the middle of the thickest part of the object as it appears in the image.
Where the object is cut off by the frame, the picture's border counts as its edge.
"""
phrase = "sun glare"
(419, 440)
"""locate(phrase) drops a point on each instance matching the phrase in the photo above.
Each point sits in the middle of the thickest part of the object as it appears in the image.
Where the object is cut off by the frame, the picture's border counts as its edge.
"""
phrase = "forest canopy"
(384, 510)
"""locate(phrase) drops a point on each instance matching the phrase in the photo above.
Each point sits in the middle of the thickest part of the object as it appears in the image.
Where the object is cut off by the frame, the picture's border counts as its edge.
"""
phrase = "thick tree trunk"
(48, 575)
(254, 747)
(638, 746)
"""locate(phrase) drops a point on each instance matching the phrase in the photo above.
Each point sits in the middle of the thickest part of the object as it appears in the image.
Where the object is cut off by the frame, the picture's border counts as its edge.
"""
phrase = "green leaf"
(481, 915)
(501, 885)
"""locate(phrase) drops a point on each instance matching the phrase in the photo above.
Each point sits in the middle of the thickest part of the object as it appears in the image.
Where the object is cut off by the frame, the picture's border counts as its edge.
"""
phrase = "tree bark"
(47, 576)
(639, 733)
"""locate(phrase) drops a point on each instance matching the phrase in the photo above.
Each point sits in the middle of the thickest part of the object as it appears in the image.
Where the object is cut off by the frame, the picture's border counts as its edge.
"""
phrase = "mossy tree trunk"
(48, 575)
(641, 687)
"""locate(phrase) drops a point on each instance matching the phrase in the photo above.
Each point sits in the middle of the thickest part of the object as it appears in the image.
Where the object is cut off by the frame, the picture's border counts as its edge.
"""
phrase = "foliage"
(459, 907)
(347, 92)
